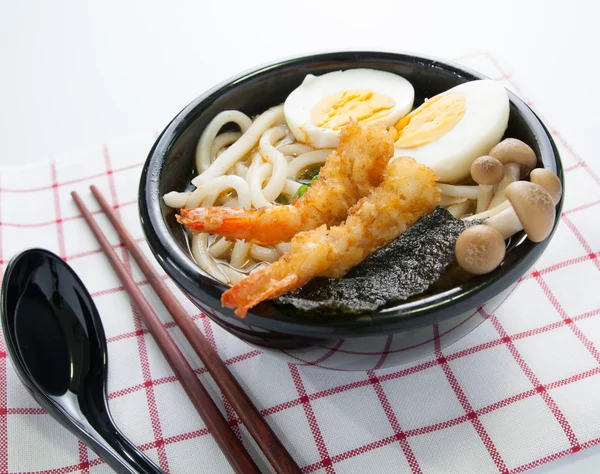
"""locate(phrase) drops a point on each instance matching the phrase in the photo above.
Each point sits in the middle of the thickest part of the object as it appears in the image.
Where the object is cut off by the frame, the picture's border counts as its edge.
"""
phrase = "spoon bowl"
(56, 342)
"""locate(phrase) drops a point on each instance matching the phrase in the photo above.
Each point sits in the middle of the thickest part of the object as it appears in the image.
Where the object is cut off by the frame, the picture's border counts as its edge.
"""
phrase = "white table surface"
(74, 74)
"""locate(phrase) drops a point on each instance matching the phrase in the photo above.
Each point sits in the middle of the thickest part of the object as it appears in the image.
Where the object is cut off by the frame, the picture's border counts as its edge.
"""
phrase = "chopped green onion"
(301, 190)
(281, 199)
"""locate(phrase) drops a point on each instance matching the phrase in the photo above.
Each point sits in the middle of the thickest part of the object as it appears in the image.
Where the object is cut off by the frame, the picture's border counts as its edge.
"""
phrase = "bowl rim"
(423, 311)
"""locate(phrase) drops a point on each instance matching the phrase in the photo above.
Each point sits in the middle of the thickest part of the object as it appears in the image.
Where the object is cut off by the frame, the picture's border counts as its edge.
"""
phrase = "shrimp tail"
(264, 226)
(232, 222)
(256, 288)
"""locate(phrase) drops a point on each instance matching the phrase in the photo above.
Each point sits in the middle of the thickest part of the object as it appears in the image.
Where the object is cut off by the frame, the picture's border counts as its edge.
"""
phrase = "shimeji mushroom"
(549, 181)
(545, 178)
(480, 249)
(532, 210)
(530, 207)
(487, 171)
(518, 159)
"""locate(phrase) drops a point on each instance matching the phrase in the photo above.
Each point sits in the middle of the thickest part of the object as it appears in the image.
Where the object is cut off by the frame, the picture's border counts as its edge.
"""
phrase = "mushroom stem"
(511, 174)
(459, 210)
(451, 200)
(506, 222)
(531, 209)
(486, 192)
(490, 212)
(470, 192)
(486, 171)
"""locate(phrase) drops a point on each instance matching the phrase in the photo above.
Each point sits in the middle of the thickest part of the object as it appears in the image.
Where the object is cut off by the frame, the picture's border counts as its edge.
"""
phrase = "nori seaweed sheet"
(404, 268)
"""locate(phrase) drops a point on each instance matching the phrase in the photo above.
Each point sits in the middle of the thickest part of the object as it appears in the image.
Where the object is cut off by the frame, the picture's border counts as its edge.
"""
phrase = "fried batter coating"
(349, 173)
(407, 192)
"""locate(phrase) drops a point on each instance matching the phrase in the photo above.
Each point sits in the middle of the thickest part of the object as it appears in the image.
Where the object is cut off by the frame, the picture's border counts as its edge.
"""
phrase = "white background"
(75, 74)
(79, 73)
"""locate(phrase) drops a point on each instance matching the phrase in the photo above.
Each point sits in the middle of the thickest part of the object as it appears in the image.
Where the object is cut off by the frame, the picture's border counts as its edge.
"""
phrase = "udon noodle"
(252, 168)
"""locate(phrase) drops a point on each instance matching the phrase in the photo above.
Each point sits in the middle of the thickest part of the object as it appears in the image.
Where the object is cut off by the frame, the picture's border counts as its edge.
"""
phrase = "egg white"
(481, 128)
(300, 103)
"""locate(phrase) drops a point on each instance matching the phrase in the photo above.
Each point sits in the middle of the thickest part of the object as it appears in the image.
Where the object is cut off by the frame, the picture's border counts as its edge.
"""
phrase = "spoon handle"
(240, 459)
(108, 442)
(120, 454)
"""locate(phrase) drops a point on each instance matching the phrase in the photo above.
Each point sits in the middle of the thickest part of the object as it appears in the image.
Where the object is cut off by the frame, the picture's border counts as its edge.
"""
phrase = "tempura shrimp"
(407, 192)
(349, 173)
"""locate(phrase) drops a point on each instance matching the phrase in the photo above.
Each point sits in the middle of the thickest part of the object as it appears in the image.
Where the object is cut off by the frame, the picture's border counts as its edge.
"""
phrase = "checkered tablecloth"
(521, 390)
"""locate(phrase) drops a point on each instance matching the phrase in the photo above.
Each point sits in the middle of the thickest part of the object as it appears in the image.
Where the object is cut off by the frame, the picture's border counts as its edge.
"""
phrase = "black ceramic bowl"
(392, 336)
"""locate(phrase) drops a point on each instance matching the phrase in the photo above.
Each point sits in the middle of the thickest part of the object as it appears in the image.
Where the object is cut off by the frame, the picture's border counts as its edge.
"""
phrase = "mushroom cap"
(511, 150)
(534, 208)
(480, 249)
(487, 170)
(549, 181)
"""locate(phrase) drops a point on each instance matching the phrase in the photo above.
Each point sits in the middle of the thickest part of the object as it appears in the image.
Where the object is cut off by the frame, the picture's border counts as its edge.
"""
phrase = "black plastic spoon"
(56, 342)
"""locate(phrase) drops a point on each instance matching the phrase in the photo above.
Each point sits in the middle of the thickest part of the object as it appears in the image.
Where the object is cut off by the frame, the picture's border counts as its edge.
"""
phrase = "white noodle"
(221, 272)
(176, 200)
(312, 159)
(291, 187)
(222, 141)
(294, 149)
(211, 199)
(224, 164)
(239, 254)
(275, 157)
(203, 155)
(240, 148)
(256, 177)
(218, 186)
(234, 276)
(232, 203)
(220, 247)
(240, 169)
(264, 254)
(203, 259)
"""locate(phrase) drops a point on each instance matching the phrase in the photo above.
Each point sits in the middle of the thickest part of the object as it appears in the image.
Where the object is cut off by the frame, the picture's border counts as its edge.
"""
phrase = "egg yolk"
(430, 121)
(335, 111)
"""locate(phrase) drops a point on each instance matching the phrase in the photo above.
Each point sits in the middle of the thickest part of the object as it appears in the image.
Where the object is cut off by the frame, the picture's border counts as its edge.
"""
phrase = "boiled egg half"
(322, 105)
(449, 131)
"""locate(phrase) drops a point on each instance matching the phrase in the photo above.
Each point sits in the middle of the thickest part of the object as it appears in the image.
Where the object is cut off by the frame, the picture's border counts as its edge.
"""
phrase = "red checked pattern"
(519, 391)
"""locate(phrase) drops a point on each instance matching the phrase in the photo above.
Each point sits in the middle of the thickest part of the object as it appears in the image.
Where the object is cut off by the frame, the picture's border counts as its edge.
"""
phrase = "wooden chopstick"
(274, 451)
(216, 423)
